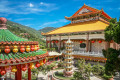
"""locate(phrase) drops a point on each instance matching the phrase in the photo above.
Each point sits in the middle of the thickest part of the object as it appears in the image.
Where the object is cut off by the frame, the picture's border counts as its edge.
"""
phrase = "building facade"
(86, 30)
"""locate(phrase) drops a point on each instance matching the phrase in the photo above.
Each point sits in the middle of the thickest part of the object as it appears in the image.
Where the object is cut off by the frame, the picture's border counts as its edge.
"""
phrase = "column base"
(68, 74)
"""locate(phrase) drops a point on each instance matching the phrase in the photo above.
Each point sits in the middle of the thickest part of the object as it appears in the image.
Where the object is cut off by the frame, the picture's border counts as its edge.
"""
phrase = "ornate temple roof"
(15, 50)
(79, 27)
(86, 10)
(86, 19)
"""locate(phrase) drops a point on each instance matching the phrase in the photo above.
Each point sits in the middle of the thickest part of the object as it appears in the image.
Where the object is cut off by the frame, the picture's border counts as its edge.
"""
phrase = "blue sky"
(50, 13)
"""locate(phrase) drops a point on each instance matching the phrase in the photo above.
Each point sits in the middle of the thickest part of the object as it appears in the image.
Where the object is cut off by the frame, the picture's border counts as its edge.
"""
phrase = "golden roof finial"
(84, 4)
(102, 9)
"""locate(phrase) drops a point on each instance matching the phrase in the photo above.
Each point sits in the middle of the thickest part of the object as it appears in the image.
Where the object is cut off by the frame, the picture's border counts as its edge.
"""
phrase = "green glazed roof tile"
(6, 35)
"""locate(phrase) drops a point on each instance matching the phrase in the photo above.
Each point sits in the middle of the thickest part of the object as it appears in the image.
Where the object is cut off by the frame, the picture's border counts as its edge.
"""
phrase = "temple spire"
(3, 23)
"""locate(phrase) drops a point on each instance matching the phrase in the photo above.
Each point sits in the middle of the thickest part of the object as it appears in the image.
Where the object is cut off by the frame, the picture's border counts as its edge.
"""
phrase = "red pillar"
(18, 74)
(87, 43)
(29, 74)
(15, 75)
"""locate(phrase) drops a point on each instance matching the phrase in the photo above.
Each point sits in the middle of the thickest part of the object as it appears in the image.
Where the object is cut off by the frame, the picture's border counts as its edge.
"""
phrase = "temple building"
(18, 54)
(86, 31)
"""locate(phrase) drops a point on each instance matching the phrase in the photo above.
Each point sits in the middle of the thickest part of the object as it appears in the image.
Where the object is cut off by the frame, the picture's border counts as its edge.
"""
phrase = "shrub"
(107, 77)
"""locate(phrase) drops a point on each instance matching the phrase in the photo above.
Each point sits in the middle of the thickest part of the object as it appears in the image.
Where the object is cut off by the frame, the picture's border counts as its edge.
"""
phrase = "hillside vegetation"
(46, 29)
(25, 32)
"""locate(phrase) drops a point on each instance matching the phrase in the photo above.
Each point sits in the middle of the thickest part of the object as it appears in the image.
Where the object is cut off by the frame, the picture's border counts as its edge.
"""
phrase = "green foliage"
(98, 69)
(45, 68)
(46, 29)
(112, 32)
(83, 72)
(107, 77)
(50, 49)
(32, 34)
(111, 65)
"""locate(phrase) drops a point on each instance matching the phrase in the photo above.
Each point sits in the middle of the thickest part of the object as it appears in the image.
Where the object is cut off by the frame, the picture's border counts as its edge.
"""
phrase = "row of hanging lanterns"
(93, 41)
(100, 41)
(23, 67)
(22, 48)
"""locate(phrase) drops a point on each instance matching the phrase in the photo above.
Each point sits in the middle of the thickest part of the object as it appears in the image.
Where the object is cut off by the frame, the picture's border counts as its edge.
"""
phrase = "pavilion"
(18, 54)
(86, 30)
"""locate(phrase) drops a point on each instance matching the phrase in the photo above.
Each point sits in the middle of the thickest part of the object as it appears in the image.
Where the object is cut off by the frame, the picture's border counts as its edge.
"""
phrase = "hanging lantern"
(0, 50)
(41, 62)
(27, 48)
(81, 41)
(3, 72)
(100, 41)
(24, 68)
(35, 48)
(15, 50)
(44, 61)
(92, 41)
(32, 48)
(7, 49)
(22, 49)
(52, 41)
(31, 66)
(37, 64)
(56, 41)
(14, 69)
(48, 41)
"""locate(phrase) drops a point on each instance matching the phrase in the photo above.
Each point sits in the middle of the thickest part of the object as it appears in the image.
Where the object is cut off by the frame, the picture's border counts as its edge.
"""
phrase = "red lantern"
(32, 48)
(48, 41)
(24, 69)
(56, 41)
(100, 41)
(44, 61)
(37, 47)
(52, 41)
(92, 41)
(7, 49)
(22, 49)
(3, 72)
(37, 64)
(81, 41)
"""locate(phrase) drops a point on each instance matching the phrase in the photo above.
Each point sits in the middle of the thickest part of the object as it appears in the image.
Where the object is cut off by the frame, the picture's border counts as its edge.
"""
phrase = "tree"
(98, 69)
(112, 32)
(83, 72)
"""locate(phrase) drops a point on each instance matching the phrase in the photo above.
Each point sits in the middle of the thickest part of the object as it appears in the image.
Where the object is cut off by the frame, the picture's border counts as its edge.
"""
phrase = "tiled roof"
(6, 35)
(21, 57)
(79, 27)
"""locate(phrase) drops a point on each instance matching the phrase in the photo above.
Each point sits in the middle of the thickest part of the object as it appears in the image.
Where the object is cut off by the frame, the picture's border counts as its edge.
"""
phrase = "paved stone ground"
(45, 77)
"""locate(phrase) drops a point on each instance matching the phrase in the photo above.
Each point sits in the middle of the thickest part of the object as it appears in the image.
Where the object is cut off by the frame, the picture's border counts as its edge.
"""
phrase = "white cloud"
(41, 3)
(8, 7)
(31, 5)
(53, 22)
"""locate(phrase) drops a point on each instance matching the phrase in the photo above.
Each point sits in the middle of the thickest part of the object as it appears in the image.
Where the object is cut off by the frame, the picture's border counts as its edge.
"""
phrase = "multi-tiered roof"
(86, 19)
(15, 50)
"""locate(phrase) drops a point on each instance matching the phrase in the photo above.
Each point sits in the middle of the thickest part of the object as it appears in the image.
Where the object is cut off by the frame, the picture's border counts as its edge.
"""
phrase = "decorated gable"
(84, 10)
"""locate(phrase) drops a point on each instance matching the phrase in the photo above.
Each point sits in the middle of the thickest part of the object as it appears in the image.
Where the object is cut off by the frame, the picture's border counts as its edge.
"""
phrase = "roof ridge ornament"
(102, 9)
(84, 4)
(3, 23)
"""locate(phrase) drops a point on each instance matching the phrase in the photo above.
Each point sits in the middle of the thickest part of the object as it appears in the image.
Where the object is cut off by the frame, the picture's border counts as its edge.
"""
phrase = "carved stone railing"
(84, 53)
